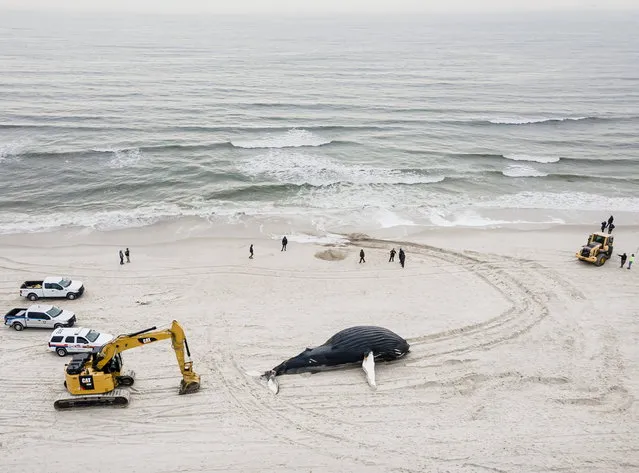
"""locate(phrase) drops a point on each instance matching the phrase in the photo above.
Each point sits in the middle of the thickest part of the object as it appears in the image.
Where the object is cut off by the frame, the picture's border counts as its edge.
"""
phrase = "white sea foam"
(522, 171)
(295, 138)
(536, 159)
(331, 212)
(11, 150)
(465, 218)
(518, 120)
(124, 158)
(292, 167)
(563, 201)
(387, 219)
(470, 218)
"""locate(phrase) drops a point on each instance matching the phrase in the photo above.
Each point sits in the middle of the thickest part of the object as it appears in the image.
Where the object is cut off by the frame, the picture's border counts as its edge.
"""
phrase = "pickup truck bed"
(32, 285)
(18, 312)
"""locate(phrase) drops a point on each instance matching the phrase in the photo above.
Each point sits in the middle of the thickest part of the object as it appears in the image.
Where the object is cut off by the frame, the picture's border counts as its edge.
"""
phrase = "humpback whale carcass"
(362, 344)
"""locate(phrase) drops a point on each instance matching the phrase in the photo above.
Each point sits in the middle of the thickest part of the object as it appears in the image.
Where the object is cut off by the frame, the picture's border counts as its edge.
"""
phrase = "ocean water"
(110, 122)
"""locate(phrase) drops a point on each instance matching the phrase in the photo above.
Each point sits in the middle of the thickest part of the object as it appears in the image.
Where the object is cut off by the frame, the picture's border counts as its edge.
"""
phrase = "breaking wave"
(295, 138)
(523, 171)
(536, 159)
(302, 169)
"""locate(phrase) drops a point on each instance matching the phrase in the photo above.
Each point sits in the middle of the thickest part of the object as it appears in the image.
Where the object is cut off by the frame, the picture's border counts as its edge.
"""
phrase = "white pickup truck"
(52, 286)
(39, 316)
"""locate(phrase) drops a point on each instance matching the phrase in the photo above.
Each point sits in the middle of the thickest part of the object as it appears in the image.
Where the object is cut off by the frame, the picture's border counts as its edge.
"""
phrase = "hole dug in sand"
(331, 255)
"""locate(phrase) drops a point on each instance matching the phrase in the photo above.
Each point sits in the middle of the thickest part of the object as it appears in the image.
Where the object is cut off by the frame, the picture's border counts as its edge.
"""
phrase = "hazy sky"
(317, 6)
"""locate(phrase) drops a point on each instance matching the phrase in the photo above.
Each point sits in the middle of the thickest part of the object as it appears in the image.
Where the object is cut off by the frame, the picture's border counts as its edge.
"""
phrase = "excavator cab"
(598, 249)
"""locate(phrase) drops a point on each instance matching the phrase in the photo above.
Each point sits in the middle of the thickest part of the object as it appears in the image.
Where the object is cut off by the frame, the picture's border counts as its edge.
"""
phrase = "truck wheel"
(70, 296)
(601, 259)
(57, 326)
(61, 352)
(18, 326)
(32, 297)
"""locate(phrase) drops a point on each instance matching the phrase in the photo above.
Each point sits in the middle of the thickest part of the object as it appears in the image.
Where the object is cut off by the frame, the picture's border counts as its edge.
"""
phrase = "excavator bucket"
(190, 379)
(191, 386)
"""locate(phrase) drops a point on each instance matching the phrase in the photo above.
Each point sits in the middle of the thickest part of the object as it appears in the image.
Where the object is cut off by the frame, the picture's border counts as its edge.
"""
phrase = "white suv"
(76, 340)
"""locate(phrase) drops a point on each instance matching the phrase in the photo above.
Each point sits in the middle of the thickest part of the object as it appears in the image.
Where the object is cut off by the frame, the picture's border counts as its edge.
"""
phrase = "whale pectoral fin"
(368, 365)
(272, 383)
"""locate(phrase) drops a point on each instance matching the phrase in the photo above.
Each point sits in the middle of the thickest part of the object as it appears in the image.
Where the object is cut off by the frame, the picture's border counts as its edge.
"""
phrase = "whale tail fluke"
(368, 365)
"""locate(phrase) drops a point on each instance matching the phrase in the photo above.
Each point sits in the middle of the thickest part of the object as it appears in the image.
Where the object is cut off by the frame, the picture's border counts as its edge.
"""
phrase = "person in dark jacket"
(603, 226)
(251, 251)
(121, 257)
(624, 257)
(610, 219)
(611, 227)
(392, 255)
(361, 256)
(127, 253)
(284, 243)
(402, 257)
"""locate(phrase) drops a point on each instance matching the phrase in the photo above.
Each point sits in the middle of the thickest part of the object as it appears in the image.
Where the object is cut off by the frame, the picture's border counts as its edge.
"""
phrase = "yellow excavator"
(93, 378)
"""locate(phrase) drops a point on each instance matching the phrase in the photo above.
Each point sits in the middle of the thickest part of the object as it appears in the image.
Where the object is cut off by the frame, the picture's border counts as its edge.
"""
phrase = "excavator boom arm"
(190, 380)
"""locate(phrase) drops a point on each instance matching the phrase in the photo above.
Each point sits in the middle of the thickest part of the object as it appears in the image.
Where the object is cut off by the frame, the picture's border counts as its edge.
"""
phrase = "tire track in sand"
(525, 286)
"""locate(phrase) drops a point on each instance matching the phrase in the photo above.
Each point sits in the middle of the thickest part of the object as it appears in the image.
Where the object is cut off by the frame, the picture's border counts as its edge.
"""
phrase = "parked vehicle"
(76, 340)
(39, 316)
(52, 286)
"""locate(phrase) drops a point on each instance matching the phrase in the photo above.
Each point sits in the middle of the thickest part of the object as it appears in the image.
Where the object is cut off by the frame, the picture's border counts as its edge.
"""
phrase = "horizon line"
(319, 13)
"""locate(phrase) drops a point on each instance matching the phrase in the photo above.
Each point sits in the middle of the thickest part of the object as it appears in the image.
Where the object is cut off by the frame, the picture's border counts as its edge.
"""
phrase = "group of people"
(624, 257)
(126, 253)
(401, 255)
(284, 243)
(608, 224)
(362, 255)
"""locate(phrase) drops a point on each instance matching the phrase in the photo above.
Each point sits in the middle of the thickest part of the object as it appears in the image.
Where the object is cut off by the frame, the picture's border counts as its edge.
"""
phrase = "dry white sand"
(522, 359)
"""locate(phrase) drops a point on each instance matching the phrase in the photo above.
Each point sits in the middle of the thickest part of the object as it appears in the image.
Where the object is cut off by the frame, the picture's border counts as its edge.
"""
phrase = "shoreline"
(183, 231)
(367, 220)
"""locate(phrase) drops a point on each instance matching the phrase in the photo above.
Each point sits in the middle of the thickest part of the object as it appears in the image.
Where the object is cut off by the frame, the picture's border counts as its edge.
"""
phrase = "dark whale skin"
(349, 346)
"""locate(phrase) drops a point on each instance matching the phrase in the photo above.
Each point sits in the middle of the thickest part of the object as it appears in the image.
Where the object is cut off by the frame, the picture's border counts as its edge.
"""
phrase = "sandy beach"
(522, 358)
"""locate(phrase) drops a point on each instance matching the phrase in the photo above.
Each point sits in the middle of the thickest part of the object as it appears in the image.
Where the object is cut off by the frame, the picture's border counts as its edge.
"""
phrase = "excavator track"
(115, 398)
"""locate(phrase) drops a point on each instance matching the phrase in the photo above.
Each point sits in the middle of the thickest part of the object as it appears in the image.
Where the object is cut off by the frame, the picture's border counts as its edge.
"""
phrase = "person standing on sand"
(603, 226)
(624, 257)
(251, 251)
(361, 256)
(402, 257)
(631, 260)
(392, 255)
(121, 257)
(611, 227)
(127, 253)
(284, 243)
(610, 219)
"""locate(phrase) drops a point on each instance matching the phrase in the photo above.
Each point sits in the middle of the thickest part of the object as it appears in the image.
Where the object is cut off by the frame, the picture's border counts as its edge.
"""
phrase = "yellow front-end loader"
(598, 249)
(94, 379)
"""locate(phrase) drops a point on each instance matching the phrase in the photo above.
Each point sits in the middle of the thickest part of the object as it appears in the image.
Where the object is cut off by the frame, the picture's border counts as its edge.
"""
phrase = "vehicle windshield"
(65, 282)
(92, 336)
(54, 312)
